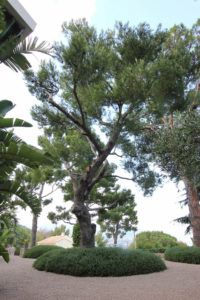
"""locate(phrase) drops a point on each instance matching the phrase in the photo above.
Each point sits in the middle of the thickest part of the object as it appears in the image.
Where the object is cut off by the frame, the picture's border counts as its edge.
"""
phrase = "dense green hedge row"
(37, 251)
(99, 262)
(190, 255)
(155, 250)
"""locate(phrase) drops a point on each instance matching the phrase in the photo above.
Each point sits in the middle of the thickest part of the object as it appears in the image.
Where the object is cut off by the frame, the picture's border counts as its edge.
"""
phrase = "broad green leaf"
(5, 106)
(10, 122)
(15, 188)
(4, 253)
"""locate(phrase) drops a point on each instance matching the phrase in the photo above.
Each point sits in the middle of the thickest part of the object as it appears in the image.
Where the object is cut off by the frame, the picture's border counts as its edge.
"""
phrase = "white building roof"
(21, 16)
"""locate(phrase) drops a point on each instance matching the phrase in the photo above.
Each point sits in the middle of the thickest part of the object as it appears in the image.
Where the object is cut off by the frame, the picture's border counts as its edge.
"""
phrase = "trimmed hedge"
(99, 262)
(189, 255)
(155, 250)
(37, 251)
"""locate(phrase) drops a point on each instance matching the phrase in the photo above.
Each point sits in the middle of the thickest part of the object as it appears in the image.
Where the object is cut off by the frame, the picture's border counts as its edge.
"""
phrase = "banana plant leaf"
(4, 253)
(15, 188)
(24, 154)
(5, 106)
(11, 122)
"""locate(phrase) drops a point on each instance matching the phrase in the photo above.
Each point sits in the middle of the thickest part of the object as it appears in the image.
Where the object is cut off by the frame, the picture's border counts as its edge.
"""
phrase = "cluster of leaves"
(100, 240)
(120, 219)
(14, 151)
(19, 234)
(99, 262)
(39, 250)
(155, 239)
(3, 251)
(189, 255)
(76, 235)
(178, 147)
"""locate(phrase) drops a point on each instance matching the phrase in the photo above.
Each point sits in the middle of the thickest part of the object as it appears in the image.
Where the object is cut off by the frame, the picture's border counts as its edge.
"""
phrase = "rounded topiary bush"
(99, 262)
(37, 251)
(189, 255)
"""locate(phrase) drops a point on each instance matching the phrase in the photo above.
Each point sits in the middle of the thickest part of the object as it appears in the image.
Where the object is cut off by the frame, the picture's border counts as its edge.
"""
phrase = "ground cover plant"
(189, 255)
(37, 251)
(99, 262)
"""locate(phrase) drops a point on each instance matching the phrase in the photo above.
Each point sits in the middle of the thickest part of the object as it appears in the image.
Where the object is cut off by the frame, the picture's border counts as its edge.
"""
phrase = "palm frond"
(29, 45)
(15, 58)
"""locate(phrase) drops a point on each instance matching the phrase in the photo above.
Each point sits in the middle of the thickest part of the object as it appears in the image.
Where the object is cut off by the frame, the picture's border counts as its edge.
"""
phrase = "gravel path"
(19, 281)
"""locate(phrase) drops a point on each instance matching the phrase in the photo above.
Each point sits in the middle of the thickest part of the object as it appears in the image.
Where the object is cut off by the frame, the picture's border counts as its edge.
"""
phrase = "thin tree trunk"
(34, 230)
(35, 220)
(115, 240)
(115, 235)
(194, 211)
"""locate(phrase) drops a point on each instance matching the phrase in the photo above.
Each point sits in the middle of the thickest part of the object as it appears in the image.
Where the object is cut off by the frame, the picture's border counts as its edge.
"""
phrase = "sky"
(156, 212)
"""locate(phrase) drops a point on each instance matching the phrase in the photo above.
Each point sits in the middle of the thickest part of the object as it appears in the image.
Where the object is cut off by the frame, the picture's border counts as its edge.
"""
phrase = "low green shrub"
(99, 262)
(155, 250)
(189, 255)
(17, 251)
(37, 251)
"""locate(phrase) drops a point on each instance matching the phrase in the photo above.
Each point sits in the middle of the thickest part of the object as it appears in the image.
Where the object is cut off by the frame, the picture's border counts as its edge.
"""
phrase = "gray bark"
(34, 230)
(115, 234)
(35, 220)
(87, 228)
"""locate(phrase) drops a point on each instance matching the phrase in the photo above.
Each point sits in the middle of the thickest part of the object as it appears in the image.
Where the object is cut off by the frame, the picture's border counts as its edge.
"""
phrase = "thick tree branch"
(114, 153)
(151, 128)
(99, 176)
(116, 176)
(126, 113)
(104, 123)
(52, 191)
(113, 205)
(68, 222)
(82, 127)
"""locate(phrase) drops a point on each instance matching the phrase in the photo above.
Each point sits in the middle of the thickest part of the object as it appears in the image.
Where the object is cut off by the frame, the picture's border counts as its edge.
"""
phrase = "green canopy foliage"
(100, 240)
(101, 96)
(117, 221)
(155, 240)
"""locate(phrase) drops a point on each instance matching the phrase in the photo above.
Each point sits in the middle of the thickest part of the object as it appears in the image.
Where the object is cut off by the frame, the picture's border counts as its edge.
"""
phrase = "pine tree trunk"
(34, 230)
(194, 211)
(86, 227)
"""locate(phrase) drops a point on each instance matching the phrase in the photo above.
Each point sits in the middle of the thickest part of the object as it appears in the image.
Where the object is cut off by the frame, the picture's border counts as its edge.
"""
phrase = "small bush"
(99, 262)
(37, 251)
(17, 251)
(189, 255)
